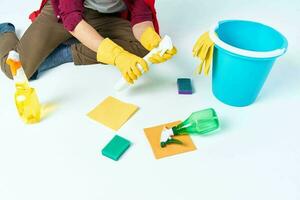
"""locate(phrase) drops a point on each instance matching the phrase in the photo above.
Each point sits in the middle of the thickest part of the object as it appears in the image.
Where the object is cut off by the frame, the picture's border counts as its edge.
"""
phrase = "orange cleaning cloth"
(153, 135)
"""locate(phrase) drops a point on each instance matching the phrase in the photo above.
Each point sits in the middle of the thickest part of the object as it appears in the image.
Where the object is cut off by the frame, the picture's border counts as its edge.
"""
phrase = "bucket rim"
(244, 52)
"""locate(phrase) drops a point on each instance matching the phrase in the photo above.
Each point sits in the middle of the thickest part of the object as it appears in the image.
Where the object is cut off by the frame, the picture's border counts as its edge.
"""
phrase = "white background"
(256, 155)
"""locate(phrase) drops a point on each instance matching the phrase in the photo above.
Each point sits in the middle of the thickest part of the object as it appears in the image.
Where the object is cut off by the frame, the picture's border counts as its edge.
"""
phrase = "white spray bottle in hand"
(164, 45)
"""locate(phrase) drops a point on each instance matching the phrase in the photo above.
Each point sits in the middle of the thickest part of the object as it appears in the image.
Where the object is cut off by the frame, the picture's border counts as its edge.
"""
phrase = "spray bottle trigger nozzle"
(167, 138)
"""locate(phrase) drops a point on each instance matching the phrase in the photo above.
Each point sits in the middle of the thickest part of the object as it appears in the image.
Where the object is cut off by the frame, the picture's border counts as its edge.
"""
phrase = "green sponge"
(116, 148)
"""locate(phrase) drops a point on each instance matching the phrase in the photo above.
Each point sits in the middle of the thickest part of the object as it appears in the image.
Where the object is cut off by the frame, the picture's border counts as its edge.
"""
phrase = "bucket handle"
(242, 52)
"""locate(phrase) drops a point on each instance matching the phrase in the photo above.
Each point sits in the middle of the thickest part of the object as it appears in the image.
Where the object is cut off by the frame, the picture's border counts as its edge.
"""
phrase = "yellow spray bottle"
(26, 98)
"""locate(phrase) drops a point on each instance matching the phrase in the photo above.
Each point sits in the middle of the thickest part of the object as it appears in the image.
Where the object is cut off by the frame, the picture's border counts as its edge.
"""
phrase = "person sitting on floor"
(115, 32)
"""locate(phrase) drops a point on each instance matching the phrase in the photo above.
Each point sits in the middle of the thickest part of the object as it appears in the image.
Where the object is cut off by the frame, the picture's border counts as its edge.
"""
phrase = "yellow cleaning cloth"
(153, 135)
(112, 113)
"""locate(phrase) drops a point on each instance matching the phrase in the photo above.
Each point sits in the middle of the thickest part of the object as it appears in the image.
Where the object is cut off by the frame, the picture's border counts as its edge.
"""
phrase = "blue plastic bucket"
(244, 54)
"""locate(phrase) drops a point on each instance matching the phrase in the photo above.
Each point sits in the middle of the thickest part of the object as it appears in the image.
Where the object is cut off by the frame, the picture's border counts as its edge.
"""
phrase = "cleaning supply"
(165, 45)
(150, 40)
(113, 113)
(199, 123)
(111, 53)
(184, 86)
(204, 50)
(153, 135)
(167, 138)
(116, 148)
(243, 55)
(26, 99)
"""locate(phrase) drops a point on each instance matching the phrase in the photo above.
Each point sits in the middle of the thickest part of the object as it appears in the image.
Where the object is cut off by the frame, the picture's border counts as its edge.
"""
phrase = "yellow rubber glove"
(111, 53)
(150, 40)
(204, 50)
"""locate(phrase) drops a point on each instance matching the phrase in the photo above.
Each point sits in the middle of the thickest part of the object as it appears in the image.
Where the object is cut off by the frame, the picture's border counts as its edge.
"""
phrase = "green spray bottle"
(198, 123)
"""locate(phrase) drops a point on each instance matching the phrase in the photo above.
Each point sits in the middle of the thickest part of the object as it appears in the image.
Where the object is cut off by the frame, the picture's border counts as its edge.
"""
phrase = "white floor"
(256, 155)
